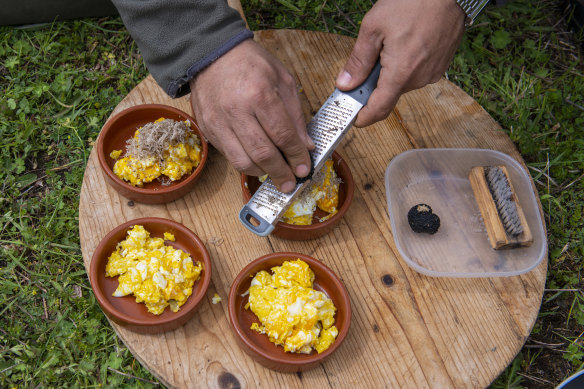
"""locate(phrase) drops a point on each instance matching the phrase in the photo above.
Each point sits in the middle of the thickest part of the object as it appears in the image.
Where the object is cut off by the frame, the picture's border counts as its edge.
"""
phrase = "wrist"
(471, 8)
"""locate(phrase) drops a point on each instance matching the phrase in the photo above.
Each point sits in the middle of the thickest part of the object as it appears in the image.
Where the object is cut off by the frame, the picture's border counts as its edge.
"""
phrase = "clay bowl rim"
(314, 228)
(287, 359)
(199, 288)
(110, 125)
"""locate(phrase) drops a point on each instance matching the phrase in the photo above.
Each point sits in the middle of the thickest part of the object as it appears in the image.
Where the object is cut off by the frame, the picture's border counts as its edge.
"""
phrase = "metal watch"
(472, 8)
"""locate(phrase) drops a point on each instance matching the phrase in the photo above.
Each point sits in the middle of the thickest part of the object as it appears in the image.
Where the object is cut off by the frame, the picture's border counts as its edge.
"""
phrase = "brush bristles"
(503, 197)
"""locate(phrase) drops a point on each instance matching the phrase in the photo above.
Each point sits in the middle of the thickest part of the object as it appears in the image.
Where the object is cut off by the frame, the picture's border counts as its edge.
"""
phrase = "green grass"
(61, 81)
(59, 84)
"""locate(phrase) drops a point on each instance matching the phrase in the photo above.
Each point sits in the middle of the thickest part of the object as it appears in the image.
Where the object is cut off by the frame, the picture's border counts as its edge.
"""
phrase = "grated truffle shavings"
(318, 180)
(156, 137)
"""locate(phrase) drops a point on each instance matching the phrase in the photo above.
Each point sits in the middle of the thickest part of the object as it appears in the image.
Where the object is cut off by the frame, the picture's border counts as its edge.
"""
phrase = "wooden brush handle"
(498, 236)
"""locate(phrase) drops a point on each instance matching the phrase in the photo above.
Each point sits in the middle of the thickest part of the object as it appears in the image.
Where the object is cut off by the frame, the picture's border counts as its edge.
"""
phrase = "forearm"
(180, 38)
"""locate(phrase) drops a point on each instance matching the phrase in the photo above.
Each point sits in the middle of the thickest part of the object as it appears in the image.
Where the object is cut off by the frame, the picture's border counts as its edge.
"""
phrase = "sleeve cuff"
(180, 86)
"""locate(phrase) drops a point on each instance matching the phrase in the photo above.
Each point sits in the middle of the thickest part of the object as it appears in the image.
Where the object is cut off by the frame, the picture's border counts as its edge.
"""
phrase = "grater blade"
(327, 128)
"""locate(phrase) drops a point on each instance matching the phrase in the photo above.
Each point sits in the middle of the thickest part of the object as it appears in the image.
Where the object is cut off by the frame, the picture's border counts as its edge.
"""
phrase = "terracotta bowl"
(120, 128)
(258, 345)
(249, 185)
(124, 310)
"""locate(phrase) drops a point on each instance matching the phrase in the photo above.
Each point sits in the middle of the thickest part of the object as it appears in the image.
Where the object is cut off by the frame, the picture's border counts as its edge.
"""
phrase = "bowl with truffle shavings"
(319, 208)
(152, 153)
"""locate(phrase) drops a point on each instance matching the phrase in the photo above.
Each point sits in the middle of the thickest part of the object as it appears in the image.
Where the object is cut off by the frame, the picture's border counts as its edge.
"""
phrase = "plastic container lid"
(460, 247)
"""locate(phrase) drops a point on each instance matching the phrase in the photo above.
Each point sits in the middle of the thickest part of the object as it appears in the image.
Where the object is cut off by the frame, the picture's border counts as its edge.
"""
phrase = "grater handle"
(246, 215)
(363, 91)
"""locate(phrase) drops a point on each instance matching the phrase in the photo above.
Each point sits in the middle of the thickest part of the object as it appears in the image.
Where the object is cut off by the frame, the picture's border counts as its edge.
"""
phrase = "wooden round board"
(408, 330)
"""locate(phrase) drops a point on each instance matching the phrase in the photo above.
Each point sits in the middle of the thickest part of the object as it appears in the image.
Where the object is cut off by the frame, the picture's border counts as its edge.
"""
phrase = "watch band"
(472, 8)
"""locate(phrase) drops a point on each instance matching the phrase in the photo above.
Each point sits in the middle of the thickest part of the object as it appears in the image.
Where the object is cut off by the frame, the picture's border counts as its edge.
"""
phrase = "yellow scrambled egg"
(291, 313)
(157, 274)
(137, 172)
(216, 299)
(323, 194)
(179, 160)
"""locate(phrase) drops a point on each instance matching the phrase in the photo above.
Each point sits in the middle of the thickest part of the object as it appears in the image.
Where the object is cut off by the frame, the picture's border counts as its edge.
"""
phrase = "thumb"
(359, 65)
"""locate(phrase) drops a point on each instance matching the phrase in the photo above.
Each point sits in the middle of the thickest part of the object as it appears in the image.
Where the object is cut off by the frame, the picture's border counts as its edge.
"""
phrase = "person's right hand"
(415, 42)
(246, 104)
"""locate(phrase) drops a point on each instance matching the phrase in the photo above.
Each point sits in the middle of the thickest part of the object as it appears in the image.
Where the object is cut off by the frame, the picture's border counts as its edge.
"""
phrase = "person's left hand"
(246, 104)
(415, 42)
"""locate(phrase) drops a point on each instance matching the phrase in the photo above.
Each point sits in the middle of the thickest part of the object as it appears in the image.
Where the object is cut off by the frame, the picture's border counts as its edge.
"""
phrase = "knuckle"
(263, 154)
(355, 62)
(370, 31)
(367, 24)
(381, 115)
(259, 95)
(280, 175)
(284, 137)
(288, 80)
(252, 91)
(298, 118)
(207, 118)
(242, 165)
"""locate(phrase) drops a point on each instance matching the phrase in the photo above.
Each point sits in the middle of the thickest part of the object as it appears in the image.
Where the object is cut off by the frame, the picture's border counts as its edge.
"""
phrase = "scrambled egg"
(291, 313)
(216, 299)
(137, 172)
(115, 154)
(324, 194)
(179, 159)
(157, 274)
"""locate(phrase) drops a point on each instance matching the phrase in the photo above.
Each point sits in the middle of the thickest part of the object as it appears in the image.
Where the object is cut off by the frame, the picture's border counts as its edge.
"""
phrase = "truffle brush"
(504, 219)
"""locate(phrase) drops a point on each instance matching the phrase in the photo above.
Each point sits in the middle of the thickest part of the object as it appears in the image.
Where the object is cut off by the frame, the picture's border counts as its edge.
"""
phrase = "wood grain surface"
(408, 330)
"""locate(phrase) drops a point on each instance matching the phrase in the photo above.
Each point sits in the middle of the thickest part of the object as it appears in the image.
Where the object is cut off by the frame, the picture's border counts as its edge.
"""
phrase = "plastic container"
(460, 247)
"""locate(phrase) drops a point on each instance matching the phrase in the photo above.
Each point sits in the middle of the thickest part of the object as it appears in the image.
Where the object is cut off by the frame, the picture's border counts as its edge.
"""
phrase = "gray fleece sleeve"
(179, 38)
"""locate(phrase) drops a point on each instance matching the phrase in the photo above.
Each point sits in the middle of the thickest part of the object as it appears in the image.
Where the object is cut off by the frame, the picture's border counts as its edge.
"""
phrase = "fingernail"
(344, 79)
(302, 170)
(287, 186)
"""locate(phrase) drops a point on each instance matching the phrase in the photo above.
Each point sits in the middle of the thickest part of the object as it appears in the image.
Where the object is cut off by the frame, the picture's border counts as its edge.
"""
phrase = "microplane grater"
(326, 129)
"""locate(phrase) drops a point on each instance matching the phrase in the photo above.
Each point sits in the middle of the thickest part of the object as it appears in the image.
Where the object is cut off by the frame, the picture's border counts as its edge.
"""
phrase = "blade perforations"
(329, 124)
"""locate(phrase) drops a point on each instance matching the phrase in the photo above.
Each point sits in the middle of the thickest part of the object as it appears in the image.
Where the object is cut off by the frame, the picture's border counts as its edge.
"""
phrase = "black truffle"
(421, 219)
(300, 180)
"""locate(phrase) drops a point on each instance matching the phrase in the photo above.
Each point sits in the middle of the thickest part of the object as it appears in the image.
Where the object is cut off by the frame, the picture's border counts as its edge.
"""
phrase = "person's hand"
(415, 41)
(247, 106)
